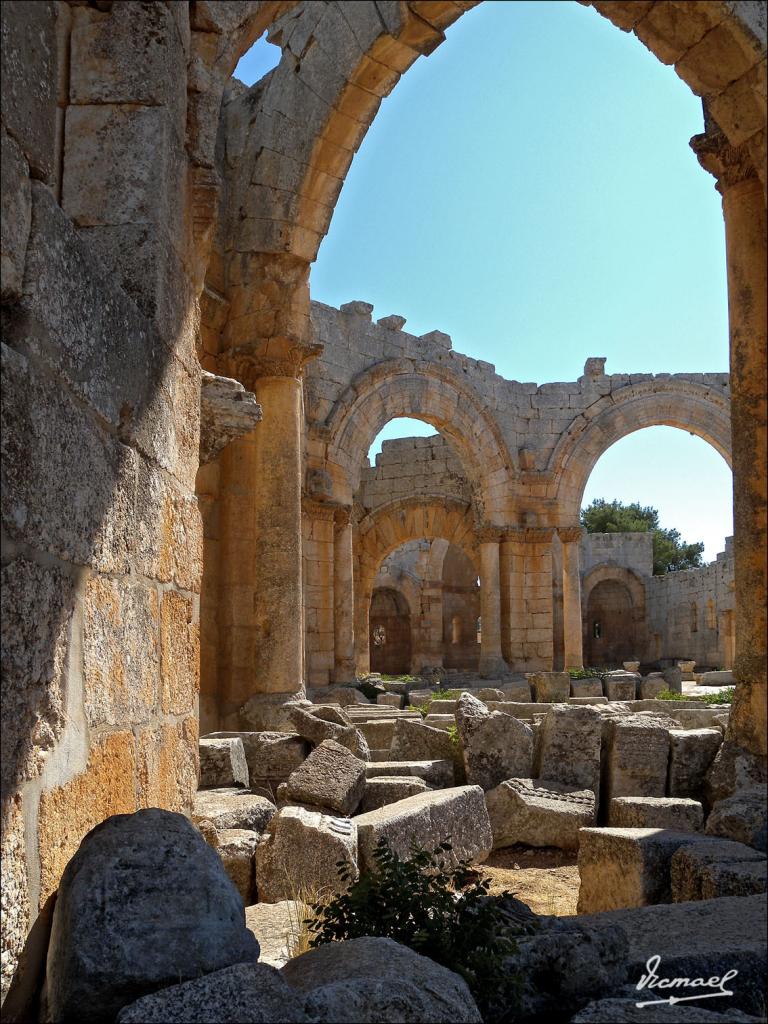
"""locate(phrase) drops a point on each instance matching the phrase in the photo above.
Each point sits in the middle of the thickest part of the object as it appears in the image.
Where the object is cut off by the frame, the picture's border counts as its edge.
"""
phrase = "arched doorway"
(611, 635)
(390, 632)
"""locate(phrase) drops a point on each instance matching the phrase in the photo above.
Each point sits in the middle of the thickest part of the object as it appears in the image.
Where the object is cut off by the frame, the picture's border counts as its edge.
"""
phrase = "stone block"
(539, 813)
(436, 774)
(588, 701)
(345, 695)
(378, 981)
(234, 808)
(237, 849)
(167, 764)
(378, 734)
(636, 755)
(222, 763)
(417, 697)
(488, 693)
(524, 710)
(179, 654)
(391, 700)
(37, 606)
(734, 768)
(14, 897)
(426, 820)
(721, 868)
(677, 813)
(312, 727)
(627, 867)
(516, 692)
(691, 752)
(742, 816)
(494, 746)
(568, 747)
(649, 689)
(143, 903)
(586, 688)
(28, 48)
(271, 756)
(43, 502)
(276, 927)
(16, 217)
(383, 790)
(297, 858)
(697, 718)
(415, 741)
(717, 679)
(550, 687)
(239, 992)
(620, 688)
(331, 778)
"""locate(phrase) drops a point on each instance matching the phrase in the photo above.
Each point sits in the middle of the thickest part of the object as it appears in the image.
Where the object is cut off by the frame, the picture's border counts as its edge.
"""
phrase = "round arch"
(606, 574)
(695, 408)
(435, 394)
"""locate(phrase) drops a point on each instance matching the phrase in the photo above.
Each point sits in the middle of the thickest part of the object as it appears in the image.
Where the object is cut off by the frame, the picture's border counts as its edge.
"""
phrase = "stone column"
(318, 567)
(363, 595)
(744, 210)
(431, 626)
(343, 597)
(492, 663)
(570, 539)
(262, 629)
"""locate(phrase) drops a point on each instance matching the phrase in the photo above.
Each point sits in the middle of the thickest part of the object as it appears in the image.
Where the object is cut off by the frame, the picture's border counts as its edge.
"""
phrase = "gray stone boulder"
(626, 1011)
(144, 902)
(538, 813)
(415, 741)
(743, 816)
(426, 820)
(563, 964)
(245, 993)
(494, 746)
(650, 688)
(222, 763)
(315, 728)
(299, 853)
(715, 869)
(233, 808)
(331, 777)
(378, 981)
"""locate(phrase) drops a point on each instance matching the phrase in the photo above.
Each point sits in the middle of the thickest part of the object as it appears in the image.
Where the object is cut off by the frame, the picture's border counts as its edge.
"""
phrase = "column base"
(492, 667)
(265, 712)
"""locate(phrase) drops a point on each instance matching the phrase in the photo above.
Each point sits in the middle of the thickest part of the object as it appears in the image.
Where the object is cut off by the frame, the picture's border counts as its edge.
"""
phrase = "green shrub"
(724, 697)
(585, 673)
(415, 903)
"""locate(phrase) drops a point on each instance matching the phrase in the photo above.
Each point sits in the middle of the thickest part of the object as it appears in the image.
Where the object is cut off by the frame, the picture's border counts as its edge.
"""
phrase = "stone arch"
(336, 68)
(427, 391)
(695, 408)
(605, 575)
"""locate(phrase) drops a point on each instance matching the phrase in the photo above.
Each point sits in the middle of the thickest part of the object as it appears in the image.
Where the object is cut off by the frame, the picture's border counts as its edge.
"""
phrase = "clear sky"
(529, 189)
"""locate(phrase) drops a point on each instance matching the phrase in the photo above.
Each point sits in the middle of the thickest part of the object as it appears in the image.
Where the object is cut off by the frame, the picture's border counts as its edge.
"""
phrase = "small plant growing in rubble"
(724, 697)
(441, 911)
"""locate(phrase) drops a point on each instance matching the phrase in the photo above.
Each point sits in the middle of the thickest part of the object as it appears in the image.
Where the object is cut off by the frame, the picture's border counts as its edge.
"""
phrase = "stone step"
(377, 733)
(380, 755)
(445, 722)
(435, 773)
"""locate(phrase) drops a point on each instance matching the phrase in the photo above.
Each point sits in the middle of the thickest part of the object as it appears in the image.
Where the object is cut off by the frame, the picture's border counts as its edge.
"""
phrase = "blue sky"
(529, 189)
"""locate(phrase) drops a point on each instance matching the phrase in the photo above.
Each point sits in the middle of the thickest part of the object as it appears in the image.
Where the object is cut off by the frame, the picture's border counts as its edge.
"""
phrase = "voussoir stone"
(144, 902)
(378, 981)
(330, 777)
(539, 813)
(494, 745)
(426, 820)
(245, 992)
(222, 763)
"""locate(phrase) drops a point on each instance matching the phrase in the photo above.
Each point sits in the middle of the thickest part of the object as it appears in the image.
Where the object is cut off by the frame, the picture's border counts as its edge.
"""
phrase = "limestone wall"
(630, 550)
(413, 465)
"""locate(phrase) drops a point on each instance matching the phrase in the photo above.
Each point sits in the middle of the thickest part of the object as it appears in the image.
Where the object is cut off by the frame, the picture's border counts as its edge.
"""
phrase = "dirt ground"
(546, 879)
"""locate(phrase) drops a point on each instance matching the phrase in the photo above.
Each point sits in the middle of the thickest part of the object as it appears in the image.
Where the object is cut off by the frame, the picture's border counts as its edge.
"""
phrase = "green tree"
(670, 551)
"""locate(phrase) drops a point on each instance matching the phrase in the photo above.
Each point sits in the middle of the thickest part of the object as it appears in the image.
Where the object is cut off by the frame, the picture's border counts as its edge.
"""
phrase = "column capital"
(314, 509)
(487, 533)
(730, 165)
(570, 534)
(342, 515)
(529, 534)
(277, 357)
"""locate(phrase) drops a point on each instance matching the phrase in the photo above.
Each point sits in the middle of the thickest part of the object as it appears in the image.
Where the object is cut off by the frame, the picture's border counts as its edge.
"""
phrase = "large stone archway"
(613, 596)
(698, 409)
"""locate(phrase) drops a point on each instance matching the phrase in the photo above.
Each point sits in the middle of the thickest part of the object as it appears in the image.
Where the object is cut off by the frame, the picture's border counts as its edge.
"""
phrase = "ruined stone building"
(190, 532)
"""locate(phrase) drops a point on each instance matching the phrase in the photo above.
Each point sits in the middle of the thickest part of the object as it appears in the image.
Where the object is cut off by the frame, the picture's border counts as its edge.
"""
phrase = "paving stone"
(538, 813)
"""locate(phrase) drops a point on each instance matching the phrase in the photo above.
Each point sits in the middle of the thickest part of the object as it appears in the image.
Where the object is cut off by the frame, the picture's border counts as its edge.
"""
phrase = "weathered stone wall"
(691, 613)
(413, 465)
(630, 550)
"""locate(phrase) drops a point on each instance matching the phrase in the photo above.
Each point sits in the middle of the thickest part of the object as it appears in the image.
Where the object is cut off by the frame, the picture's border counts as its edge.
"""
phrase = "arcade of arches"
(162, 359)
